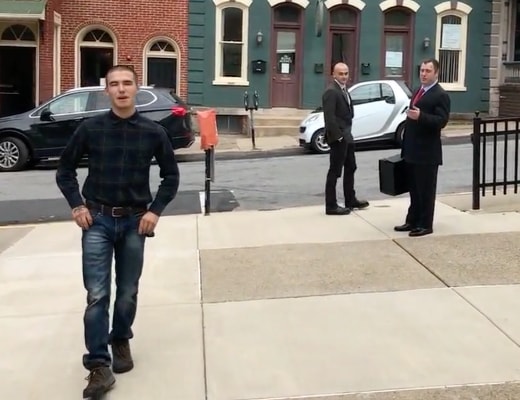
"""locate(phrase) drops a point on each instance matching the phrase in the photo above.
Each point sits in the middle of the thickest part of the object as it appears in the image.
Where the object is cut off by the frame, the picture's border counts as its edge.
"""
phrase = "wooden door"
(396, 56)
(285, 88)
(343, 49)
(162, 72)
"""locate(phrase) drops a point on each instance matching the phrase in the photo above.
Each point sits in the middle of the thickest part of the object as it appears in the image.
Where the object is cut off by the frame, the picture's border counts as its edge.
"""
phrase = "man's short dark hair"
(121, 68)
(434, 62)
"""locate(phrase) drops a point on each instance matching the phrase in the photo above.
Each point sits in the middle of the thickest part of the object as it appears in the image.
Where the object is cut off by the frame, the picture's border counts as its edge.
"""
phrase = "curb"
(242, 155)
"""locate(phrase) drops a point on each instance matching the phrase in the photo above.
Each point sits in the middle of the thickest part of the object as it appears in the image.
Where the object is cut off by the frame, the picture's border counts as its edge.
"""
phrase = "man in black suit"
(422, 150)
(338, 112)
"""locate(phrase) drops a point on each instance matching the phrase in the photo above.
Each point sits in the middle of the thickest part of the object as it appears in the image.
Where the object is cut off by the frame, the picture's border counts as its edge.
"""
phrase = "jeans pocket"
(95, 214)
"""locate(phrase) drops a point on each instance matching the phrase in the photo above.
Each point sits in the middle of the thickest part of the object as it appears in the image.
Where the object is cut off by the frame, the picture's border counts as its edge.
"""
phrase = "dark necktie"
(418, 96)
(344, 90)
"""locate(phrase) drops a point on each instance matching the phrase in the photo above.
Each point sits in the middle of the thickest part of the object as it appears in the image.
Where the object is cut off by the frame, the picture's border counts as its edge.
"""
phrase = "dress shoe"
(404, 228)
(359, 204)
(420, 232)
(337, 211)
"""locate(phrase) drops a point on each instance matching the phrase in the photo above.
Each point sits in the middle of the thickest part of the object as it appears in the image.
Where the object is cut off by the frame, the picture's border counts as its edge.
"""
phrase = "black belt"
(115, 212)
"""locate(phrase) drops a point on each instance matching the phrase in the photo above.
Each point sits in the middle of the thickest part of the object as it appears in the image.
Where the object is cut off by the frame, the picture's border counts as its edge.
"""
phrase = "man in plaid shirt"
(116, 213)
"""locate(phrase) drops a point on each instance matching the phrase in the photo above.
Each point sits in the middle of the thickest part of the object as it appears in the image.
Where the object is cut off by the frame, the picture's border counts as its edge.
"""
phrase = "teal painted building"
(282, 50)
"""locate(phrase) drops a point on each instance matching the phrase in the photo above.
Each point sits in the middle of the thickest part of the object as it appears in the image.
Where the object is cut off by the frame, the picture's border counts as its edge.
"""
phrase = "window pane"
(18, 32)
(99, 100)
(287, 13)
(366, 93)
(386, 91)
(162, 46)
(232, 60)
(397, 18)
(451, 19)
(285, 52)
(451, 32)
(97, 35)
(144, 97)
(232, 24)
(343, 16)
(449, 66)
(394, 57)
(70, 104)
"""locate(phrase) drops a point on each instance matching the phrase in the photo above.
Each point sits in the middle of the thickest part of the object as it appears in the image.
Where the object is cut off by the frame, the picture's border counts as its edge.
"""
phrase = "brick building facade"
(48, 46)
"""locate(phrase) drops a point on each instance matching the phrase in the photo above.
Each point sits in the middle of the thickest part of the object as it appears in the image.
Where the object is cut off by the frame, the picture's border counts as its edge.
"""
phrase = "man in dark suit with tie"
(338, 112)
(422, 149)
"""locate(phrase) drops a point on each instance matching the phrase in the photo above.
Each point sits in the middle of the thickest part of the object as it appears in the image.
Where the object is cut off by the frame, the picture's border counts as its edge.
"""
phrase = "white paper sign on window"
(451, 36)
(394, 59)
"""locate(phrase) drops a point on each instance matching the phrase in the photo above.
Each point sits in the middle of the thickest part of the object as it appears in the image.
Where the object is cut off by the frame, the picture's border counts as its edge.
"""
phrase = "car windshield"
(405, 87)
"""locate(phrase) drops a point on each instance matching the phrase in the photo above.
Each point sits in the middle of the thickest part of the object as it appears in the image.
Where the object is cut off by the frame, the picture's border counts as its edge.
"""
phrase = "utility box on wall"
(258, 66)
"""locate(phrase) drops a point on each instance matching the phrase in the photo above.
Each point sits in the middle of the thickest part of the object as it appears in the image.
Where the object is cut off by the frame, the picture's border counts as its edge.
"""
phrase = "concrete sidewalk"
(280, 304)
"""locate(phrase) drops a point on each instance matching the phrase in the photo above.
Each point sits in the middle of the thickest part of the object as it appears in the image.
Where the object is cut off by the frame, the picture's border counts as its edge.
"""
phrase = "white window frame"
(80, 43)
(162, 54)
(221, 5)
(462, 11)
(56, 56)
(35, 28)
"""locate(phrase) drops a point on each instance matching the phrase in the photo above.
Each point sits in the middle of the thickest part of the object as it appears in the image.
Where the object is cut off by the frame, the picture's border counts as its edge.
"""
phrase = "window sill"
(225, 82)
(453, 88)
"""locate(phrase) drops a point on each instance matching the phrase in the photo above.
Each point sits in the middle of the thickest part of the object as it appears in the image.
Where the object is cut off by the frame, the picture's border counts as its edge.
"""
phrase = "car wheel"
(318, 142)
(399, 135)
(13, 154)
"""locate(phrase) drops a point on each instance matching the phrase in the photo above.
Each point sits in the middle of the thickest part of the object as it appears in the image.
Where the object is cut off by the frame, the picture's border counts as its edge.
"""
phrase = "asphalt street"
(261, 183)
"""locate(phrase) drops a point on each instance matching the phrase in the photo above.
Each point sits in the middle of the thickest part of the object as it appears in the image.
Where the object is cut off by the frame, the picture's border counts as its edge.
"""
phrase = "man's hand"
(413, 113)
(148, 223)
(82, 217)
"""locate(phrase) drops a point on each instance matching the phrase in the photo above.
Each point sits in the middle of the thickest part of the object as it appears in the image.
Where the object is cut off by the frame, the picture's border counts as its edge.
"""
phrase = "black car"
(42, 133)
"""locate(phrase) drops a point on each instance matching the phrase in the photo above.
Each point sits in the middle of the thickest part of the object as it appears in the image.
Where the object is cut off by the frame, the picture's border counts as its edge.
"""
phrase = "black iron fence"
(495, 156)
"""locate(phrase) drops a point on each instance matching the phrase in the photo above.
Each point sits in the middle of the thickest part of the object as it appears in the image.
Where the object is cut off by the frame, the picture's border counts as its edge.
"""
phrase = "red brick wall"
(133, 23)
(46, 50)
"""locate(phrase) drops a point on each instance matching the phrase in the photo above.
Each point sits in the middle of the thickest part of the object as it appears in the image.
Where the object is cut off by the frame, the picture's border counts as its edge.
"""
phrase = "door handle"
(79, 119)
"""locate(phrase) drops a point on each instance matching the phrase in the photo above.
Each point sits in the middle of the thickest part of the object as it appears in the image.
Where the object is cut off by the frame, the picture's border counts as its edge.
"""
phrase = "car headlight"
(312, 118)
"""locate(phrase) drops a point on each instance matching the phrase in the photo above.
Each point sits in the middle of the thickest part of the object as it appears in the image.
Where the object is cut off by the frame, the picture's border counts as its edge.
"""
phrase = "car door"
(58, 119)
(374, 103)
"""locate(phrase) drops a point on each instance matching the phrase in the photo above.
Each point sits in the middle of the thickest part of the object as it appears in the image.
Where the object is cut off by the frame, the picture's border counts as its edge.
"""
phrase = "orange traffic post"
(208, 140)
(207, 120)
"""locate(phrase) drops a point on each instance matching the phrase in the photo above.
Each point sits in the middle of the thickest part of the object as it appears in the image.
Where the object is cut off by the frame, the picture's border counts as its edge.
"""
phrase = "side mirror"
(390, 99)
(46, 115)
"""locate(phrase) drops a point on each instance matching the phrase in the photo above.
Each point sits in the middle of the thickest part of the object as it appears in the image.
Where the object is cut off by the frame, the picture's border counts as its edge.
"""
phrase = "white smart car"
(379, 114)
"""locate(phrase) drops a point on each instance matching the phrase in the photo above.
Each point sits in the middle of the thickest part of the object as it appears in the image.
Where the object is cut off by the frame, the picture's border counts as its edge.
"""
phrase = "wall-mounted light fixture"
(426, 42)
(259, 37)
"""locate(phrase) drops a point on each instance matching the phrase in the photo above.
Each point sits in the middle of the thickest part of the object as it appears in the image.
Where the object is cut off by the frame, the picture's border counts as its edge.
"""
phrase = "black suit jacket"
(337, 114)
(422, 138)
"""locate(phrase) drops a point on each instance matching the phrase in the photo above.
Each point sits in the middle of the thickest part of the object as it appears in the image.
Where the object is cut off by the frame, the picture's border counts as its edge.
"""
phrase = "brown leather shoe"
(100, 381)
(122, 357)
(403, 228)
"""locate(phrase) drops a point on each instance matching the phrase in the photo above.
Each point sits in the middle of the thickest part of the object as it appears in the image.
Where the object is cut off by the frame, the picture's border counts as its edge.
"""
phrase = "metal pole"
(252, 129)
(476, 161)
(207, 183)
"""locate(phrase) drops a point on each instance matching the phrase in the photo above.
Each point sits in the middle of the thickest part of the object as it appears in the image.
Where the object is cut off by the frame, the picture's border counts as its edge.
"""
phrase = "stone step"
(276, 130)
(295, 112)
(277, 121)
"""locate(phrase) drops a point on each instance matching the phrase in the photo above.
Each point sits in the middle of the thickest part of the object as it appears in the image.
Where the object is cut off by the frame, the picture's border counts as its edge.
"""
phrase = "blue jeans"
(108, 237)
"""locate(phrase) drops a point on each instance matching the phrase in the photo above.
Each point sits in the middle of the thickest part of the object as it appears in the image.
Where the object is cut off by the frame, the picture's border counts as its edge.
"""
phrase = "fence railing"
(495, 156)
